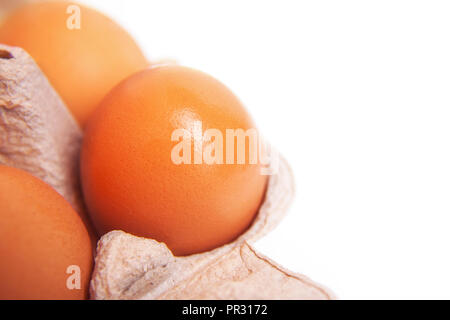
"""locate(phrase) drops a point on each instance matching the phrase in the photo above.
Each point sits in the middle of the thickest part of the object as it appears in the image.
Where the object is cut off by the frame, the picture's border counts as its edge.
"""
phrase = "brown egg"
(131, 181)
(83, 63)
(45, 250)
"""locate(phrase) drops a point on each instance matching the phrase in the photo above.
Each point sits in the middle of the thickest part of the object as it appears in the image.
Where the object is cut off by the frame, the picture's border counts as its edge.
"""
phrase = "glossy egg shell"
(130, 182)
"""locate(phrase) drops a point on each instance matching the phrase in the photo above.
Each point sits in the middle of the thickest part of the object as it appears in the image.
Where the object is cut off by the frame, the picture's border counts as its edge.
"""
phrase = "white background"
(356, 95)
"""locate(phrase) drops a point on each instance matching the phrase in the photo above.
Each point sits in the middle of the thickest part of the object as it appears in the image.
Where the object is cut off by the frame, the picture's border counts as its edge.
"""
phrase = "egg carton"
(129, 267)
(126, 266)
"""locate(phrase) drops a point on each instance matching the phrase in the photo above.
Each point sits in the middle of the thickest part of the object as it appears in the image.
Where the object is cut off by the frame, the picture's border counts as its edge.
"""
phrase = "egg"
(83, 53)
(133, 174)
(45, 249)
